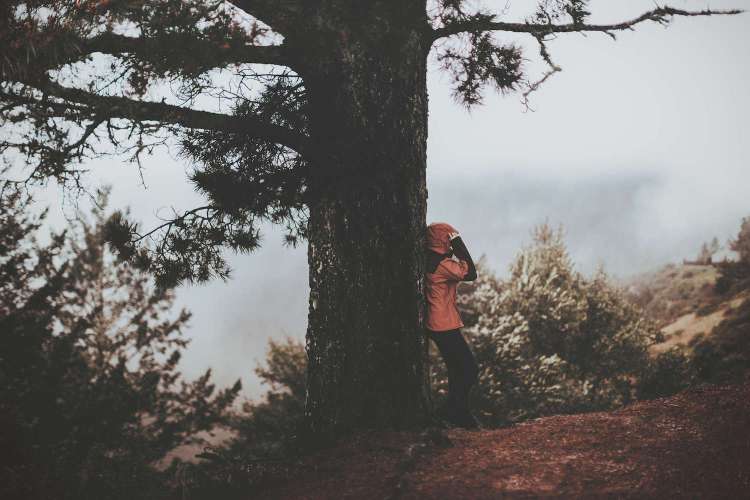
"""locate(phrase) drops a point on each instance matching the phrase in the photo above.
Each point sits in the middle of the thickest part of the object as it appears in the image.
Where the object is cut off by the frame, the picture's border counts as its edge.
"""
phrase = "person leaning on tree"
(443, 323)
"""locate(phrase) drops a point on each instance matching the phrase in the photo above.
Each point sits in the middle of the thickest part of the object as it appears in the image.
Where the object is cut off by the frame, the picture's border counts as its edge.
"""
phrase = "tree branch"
(278, 14)
(553, 68)
(171, 222)
(111, 43)
(661, 15)
(138, 111)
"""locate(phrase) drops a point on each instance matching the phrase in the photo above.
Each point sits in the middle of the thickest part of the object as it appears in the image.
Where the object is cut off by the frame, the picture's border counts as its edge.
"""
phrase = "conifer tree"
(550, 340)
(90, 393)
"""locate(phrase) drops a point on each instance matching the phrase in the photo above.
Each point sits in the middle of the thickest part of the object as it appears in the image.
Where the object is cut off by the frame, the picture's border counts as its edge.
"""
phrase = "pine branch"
(143, 111)
(169, 52)
(111, 43)
(661, 15)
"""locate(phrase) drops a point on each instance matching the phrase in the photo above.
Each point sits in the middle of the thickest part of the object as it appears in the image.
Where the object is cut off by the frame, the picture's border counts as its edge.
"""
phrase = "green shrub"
(549, 340)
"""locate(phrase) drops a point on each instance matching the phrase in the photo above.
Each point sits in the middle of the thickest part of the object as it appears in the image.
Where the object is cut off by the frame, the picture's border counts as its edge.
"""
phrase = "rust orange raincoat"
(442, 312)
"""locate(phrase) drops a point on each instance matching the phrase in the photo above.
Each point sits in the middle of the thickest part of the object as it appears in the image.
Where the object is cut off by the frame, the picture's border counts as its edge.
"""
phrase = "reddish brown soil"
(693, 445)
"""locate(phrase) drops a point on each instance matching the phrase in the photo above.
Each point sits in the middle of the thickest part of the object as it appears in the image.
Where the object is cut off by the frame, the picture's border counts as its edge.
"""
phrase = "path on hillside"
(693, 445)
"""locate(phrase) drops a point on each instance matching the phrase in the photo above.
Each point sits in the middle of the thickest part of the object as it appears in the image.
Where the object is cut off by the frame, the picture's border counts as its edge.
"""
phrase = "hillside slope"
(673, 291)
(689, 326)
(682, 300)
(692, 445)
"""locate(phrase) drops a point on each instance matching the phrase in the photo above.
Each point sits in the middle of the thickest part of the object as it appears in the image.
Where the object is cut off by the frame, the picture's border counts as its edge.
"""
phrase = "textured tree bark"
(365, 345)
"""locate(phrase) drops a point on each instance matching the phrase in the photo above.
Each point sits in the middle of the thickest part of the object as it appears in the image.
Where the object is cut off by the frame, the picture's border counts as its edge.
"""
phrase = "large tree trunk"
(365, 345)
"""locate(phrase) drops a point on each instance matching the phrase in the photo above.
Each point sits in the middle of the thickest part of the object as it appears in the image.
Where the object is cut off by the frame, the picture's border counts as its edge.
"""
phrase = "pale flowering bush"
(549, 340)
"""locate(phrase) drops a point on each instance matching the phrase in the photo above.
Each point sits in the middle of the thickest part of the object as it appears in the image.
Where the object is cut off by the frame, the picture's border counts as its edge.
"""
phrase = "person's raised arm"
(460, 250)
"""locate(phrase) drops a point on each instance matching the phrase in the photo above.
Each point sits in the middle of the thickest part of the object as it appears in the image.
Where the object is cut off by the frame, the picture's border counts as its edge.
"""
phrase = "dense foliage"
(90, 394)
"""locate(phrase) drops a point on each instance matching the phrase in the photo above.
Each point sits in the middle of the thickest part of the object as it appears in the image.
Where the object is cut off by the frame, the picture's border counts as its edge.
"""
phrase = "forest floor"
(692, 445)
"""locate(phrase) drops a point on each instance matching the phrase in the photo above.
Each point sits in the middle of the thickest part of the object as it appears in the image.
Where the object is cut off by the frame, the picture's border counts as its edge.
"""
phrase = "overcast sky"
(639, 148)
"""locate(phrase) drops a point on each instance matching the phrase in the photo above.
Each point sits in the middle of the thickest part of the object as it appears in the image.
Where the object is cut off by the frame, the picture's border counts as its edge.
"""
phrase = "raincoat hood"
(438, 237)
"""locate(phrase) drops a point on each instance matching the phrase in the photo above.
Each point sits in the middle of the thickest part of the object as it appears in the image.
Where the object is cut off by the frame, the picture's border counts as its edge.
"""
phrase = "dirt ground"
(693, 445)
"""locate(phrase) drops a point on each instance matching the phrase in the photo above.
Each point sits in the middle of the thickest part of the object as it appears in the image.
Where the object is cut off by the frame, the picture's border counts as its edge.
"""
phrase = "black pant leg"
(462, 368)
(469, 371)
(452, 364)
